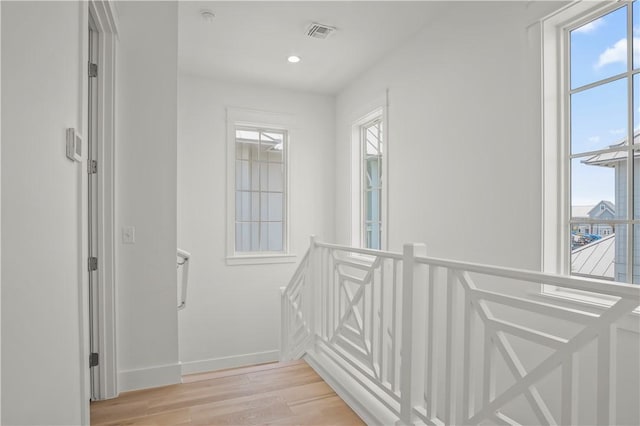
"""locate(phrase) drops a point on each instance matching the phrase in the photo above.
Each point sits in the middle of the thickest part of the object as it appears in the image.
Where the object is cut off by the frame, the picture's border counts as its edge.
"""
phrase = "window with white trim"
(371, 140)
(369, 181)
(591, 112)
(260, 189)
(257, 178)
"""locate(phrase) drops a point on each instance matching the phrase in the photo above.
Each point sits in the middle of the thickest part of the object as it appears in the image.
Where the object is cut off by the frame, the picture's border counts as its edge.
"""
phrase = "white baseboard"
(151, 377)
(243, 360)
(370, 410)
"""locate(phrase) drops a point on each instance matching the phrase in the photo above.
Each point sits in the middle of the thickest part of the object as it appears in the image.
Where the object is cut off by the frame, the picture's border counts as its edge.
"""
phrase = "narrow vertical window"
(260, 190)
(371, 137)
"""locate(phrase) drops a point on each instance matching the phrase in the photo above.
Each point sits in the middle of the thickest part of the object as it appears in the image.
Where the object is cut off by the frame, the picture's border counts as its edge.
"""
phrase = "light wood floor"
(288, 393)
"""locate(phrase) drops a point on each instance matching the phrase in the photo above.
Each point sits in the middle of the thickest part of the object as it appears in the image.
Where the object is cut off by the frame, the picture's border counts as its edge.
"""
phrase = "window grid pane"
(604, 117)
(372, 151)
(260, 195)
(599, 48)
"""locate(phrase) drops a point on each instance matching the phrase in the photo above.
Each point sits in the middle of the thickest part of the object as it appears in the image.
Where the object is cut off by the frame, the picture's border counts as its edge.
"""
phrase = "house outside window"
(260, 190)
(591, 223)
(369, 164)
(257, 193)
(372, 158)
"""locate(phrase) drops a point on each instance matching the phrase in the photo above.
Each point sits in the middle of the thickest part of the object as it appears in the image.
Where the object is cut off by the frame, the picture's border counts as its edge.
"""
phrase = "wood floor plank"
(176, 417)
(238, 371)
(248, 416)
(276, 393)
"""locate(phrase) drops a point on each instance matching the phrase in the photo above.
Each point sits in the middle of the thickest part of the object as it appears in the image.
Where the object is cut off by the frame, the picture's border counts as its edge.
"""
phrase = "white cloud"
(616, 131)
(590, 27)
(618, 53)
(594, 139)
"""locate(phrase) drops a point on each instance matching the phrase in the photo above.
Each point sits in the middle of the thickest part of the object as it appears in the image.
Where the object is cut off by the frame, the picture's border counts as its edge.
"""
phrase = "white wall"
(147, 328)
(232, 314)
(465, 157)
(464, 161)
(43, 365)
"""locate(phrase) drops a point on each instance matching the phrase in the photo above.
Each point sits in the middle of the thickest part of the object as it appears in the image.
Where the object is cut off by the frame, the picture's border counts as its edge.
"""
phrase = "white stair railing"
(434, 341)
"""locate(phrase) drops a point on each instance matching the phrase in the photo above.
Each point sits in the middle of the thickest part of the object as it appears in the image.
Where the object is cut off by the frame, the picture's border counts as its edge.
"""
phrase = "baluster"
(313, 290)
(382, 326)
(365, 321)
(451, 357)
(325, 296)
(488, 384)
(320, 285)
(394, 327)
(371, 290)
(284, 332)
(468, 382)
(340, 307)
(432, 337)
(570, 390)
(412, 352)
(607, 376)
(337, 293)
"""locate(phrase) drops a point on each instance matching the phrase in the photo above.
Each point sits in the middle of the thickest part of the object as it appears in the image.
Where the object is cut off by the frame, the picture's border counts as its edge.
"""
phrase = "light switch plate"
(128, 235)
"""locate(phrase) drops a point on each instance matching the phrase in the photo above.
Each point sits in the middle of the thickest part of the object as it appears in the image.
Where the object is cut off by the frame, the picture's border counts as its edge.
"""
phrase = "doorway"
(92, 166)
(100, 136)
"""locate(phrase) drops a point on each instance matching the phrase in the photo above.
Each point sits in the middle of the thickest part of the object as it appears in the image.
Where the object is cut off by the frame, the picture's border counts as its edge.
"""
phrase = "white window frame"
(555, 174)
(239, 117)
(358, 175)
(363, 180)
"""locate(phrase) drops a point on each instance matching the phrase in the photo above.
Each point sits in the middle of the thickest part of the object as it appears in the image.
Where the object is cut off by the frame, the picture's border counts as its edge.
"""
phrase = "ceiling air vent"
(316, 30)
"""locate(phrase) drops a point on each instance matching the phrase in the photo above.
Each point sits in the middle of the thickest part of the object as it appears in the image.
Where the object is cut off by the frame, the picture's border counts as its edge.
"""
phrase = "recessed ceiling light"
(293, 59)
(207, 15)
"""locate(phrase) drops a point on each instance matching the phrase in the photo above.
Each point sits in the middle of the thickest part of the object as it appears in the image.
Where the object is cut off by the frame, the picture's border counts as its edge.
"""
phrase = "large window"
(257, 179)
(592, 148)
(599, 97)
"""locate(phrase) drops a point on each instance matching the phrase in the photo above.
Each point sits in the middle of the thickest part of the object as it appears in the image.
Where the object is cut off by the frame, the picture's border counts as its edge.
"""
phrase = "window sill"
(261, 259)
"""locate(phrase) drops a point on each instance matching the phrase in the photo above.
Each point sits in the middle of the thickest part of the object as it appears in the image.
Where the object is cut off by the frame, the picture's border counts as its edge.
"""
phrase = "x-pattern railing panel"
(356, 305)
(496, 344)
(361, 324)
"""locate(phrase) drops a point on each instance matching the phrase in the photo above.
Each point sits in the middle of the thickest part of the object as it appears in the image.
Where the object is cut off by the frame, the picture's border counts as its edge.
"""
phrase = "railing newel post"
(284, 331)
(313, 291)
(413, 342)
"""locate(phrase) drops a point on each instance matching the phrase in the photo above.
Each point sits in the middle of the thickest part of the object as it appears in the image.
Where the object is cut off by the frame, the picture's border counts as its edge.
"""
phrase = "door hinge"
(93, 263)
(92, 167)
(93, 70)
(93, 359)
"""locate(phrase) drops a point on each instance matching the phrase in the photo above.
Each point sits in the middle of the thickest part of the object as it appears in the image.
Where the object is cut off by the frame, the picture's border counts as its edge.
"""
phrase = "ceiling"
(249, 42)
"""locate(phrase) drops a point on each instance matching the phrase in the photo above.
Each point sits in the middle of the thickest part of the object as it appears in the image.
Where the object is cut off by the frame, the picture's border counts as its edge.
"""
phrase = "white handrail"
(593, 285)
(367, 252)
(185, 256)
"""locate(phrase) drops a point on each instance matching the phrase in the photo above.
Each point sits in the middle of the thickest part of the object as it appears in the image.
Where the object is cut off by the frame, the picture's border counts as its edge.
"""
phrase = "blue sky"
(599, 115)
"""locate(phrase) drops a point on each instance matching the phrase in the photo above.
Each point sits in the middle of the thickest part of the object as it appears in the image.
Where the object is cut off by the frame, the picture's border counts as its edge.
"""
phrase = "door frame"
(104, 383)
